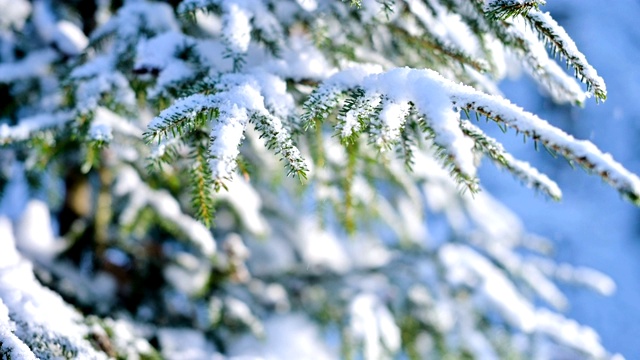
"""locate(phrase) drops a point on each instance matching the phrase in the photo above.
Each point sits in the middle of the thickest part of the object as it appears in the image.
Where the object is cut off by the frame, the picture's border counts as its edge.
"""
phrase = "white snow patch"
(291, 336)
(373, 325)
(34, 233)
(14, 13)
(9, 256)
(186, 344)
(319, 248)
(247, 203)
(236, 28)
(37, 63)
(69, 38)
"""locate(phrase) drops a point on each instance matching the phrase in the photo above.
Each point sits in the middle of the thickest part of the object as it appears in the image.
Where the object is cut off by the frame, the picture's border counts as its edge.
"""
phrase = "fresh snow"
(434, 97)
(372, 324)
(14, 13)
(32, 317)
(552, 77)
(37, 63)
(69, 38)
(367, 272)
(570, 51)
(30, 125)
(292, 336)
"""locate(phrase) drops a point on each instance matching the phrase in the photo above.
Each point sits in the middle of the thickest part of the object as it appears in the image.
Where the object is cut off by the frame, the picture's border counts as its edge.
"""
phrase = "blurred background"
(592, 226)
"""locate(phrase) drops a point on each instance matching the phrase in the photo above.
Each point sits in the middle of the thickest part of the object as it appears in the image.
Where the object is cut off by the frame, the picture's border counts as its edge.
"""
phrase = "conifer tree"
(282, 179)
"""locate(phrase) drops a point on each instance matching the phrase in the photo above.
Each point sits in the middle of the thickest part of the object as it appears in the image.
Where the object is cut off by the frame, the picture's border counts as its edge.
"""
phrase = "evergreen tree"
(286, 179)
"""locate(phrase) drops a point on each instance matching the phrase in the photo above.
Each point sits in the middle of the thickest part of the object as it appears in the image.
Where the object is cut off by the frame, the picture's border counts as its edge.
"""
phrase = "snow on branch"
(498, 19)
(226, 137)
(436, 99)
(134, 16)
(241, 19)
(544, 70)
(134, 21)
(185, 115)
(553, 35)
(520, 169)
(468, 267)
(239, 99)
(453, 38)
(36, 64)
(582, 152)
(373, 325)
(425, 91)
(27, 127)
(278, 138)
(560, 42)
(35, 322)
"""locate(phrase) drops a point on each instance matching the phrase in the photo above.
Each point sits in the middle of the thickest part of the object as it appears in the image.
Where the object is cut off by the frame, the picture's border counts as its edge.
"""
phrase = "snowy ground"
(592, 226)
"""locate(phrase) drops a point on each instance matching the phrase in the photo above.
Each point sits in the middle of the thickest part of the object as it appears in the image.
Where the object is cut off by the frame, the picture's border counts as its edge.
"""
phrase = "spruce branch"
(433, 98)
(279, 139)
(387, 128)
(449, 161)
(522, 41)
(582, 152)
(185, 115)
(397, 85)
(504, 9)
(560, 42)
(165, 152)
(520, 169)
(201, 179)
(131, 23)
(28, 128)
(548, 73)
(142, 196)
(264, 27)
(437, 47)
(406, 147)
(317, 108)
(236, 100)
(549, 32)
(357, 114)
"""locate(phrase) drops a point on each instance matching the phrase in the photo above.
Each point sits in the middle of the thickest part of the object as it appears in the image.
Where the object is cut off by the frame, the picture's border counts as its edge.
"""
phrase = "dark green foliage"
(201, 189)
(504, 9)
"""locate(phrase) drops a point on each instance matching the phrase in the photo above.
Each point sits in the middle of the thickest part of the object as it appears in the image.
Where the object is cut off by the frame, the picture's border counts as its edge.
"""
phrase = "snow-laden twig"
(562, 44)
(36, 64)
(553, 35)
(35, 322)
(435, 98)
(239, 99)
(520, 169)
(582, 152)
(28, 127)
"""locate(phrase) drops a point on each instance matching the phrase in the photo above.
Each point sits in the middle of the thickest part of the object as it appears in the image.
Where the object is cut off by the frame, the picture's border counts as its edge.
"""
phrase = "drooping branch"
(433, 97)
